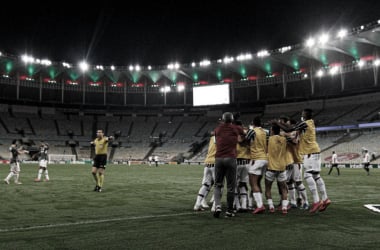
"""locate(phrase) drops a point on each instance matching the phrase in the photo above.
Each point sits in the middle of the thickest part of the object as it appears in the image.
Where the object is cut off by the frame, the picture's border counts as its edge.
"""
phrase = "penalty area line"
(87, 222)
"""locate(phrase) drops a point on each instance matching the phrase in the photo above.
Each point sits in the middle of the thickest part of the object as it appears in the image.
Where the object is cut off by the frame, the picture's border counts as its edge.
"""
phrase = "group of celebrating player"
(245, 155)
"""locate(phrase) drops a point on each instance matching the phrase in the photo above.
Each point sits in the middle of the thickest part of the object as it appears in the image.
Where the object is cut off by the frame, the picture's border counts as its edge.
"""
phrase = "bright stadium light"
(323, 39)
(45, 62)
(165, 89)
(376, 62)
(173, 66)
(149, 67)
(180, 88)
(227, 59)
(83, 66)
(310, 42)
(320, 73)
(284, 49)
(244, 57)
(27, 59)
(66, 65)
(204, 63)
(112, 67)
(263, 53)
(131, 68)
(334, 70)
(342, 33)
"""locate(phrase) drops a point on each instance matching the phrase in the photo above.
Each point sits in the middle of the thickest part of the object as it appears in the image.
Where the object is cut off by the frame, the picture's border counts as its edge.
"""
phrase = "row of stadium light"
(310, 43)
(332, 69)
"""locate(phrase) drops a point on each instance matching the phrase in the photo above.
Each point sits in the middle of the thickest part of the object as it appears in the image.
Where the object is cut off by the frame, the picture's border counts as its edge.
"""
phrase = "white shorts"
(43, 163)
(258, 168)
(280, 176)
(312, 162)
(241, 174)
(294, 172)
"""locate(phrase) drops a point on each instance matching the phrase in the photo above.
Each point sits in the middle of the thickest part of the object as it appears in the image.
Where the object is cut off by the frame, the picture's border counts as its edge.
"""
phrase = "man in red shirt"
(227, 135)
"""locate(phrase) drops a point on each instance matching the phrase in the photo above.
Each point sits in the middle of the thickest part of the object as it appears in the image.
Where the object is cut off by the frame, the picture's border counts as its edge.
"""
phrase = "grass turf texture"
(143, 207)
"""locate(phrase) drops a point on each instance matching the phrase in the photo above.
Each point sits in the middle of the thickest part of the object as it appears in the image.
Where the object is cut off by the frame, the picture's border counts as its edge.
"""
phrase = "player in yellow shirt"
(277, 162)
(294, 169)
(100, 159)
(258, 138)
(309, 149)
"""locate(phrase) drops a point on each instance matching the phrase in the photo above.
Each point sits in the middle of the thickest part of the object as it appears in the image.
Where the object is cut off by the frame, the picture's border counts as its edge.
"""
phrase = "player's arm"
(109, 138)
(241, 135)
(23, 151)
(285, 127)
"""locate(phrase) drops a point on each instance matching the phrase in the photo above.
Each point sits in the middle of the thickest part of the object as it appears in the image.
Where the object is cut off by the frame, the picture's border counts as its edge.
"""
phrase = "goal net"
(57, 158)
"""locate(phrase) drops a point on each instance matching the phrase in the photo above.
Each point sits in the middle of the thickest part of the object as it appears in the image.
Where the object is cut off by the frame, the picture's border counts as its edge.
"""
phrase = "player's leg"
(203, 191)
(17, 173)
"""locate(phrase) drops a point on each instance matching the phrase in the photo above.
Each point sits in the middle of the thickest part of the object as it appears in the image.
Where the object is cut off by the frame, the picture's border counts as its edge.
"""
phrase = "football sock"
(292, 194)
(259, 199)
(313, 188)
(39, 173)
(302, 192)
(46, 175)
(101, 180)
(95, 175)
(322, 188)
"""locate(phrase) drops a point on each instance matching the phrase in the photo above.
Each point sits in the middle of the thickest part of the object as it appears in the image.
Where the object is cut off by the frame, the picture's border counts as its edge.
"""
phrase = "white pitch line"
(118, 219)
(342, 201)
(6, 230)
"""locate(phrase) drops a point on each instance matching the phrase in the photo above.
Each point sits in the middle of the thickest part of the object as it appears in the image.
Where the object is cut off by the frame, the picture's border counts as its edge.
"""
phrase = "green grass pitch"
(147, 207)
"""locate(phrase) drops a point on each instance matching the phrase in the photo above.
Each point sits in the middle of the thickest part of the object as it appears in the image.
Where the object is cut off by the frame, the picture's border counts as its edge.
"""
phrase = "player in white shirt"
(366, 160)
(334, 163)
(43, 160)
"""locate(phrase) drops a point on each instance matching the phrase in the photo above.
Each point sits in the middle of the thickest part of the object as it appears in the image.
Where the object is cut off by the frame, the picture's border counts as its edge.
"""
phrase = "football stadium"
(157, 121)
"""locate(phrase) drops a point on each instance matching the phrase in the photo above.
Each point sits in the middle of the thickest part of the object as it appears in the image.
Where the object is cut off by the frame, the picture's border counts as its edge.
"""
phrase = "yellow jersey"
(210, 158)
(308, 139)
(259, 145)
(101, 146)
(277, 153)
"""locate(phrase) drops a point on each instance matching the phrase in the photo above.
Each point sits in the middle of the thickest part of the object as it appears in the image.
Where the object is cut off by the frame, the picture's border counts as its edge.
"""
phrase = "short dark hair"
(276, 129)
(228, 117)
(257, 121)
(308, 112)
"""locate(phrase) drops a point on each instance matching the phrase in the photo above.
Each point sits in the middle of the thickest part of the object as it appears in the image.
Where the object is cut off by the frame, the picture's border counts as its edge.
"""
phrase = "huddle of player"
(280, 153)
